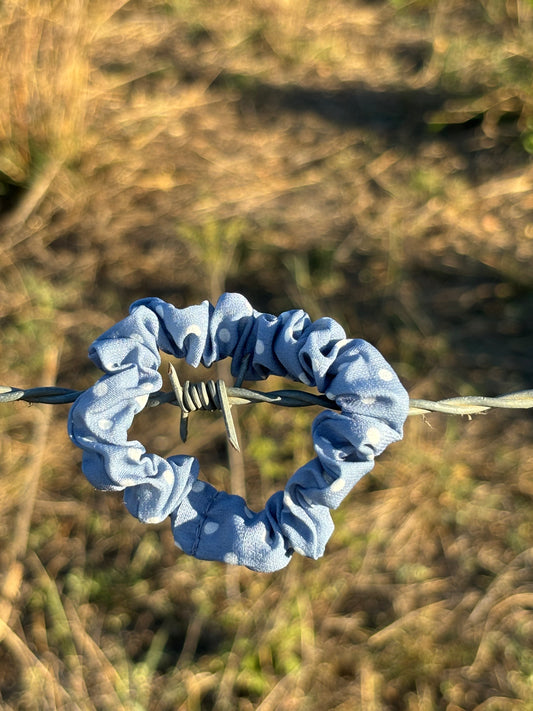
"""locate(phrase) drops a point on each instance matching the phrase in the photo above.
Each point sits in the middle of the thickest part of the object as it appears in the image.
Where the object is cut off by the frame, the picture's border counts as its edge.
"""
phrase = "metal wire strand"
(472, 405)
(211, 395)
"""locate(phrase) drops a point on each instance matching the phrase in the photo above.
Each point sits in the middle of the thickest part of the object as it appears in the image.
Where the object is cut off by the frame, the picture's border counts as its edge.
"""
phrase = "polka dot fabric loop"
(211, 524)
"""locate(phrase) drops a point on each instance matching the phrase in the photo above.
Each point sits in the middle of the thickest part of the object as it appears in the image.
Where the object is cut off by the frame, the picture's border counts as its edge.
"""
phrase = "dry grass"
(366, 160)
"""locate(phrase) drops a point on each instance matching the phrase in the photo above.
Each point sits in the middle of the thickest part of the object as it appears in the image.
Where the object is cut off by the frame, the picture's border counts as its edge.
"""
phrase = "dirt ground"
(369, 161)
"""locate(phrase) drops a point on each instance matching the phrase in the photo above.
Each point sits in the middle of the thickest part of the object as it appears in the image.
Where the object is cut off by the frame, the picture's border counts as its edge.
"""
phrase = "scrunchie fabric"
(211, 524)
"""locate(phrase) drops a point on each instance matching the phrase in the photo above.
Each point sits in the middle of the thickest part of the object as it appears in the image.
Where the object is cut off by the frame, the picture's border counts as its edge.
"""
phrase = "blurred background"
(370, 161)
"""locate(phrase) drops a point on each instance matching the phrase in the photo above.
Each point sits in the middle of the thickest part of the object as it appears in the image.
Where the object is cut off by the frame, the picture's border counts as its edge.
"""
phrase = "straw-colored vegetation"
(366, 160)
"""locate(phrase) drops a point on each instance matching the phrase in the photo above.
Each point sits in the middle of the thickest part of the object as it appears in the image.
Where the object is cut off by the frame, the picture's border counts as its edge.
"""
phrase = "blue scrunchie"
(211, 524)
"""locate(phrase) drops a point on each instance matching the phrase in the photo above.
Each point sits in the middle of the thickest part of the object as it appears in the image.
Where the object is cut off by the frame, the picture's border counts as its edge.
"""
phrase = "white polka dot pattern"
(193, 330)
(386, 375)
(141, 400)
(211, 524)
(100, 389)
(135, 454)
(373, 435)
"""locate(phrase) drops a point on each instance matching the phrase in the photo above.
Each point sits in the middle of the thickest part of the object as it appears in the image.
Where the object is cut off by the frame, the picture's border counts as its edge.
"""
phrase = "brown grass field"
(367, 160)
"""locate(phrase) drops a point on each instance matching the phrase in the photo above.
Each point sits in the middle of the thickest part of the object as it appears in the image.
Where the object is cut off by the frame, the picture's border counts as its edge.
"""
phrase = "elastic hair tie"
(210, 524)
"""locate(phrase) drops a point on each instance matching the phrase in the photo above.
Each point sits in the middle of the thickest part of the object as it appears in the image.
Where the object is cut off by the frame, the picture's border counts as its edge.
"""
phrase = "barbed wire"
(468, 405)
(472, 404)
(211, 395)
